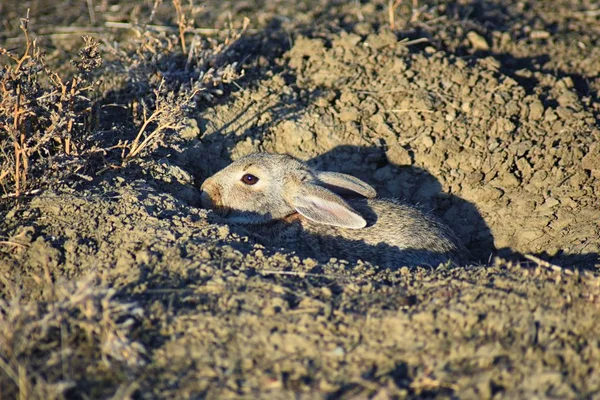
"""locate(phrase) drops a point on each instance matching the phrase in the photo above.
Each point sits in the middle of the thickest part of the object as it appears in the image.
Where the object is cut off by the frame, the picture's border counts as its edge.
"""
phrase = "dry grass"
(182, 23)
(56, 127)
(41, 114)
(47, 346)
(167, 114)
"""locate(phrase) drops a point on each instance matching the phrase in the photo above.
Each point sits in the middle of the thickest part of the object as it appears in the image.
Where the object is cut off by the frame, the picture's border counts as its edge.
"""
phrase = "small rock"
(349, 114)
(591, 161)
(190, 129)
(322, 102)
(539, 34)
(478, 42)
(507, 180)
(427, 141)
(438, 127)
(338, 351)
(550, 115)
(383, 39)
(536, 110)
(451, 116)
(474, 177)
(398, 155)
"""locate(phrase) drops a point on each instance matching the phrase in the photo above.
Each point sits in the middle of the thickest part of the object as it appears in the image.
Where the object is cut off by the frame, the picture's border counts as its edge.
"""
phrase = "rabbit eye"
(249, 179)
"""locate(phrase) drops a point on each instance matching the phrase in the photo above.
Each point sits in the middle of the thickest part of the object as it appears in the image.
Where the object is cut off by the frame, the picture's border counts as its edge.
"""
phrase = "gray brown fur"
(296, 207)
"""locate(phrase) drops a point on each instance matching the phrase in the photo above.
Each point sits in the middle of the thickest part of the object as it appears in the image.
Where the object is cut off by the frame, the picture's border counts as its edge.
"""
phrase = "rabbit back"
(396, 235)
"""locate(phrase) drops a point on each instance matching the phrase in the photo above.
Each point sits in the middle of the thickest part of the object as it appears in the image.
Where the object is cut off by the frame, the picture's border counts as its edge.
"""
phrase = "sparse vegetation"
(44, 344)
(45, 120)
(52, 126)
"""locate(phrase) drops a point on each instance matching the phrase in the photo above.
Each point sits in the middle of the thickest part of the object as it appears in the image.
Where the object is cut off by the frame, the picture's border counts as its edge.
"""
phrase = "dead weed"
(55, 128)
(81, 329)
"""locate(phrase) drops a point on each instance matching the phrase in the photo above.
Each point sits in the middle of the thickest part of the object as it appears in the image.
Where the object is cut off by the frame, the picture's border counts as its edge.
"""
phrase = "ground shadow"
(414, 186)
(418, 187)
(583, 261)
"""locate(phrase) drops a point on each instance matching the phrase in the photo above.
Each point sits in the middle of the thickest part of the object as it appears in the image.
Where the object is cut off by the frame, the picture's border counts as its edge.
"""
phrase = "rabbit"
(281, 201)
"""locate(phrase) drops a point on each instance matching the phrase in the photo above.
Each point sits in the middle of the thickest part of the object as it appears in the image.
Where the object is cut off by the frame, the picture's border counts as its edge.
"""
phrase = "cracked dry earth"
(492, 125)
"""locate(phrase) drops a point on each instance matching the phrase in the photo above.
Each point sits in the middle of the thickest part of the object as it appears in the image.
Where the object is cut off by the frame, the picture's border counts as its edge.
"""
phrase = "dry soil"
(484, 113)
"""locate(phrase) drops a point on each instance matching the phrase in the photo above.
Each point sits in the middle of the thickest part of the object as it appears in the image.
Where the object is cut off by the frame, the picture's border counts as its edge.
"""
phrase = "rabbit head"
(264, 187)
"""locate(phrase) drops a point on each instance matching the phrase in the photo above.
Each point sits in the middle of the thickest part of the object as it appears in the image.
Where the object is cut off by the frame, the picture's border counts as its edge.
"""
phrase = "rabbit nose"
(205, 184)
(210, 195)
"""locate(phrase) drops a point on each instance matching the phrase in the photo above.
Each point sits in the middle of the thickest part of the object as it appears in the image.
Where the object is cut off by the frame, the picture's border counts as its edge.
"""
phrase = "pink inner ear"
(329, 213)
(332, 208)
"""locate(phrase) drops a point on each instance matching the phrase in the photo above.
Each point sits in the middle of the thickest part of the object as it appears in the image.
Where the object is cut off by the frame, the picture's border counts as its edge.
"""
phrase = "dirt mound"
(505, 168)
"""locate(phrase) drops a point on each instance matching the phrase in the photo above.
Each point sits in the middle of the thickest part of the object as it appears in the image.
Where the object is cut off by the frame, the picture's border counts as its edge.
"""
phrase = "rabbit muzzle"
(211, 195)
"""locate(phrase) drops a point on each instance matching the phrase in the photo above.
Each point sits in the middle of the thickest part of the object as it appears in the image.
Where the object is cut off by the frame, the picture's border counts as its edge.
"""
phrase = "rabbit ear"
(346, 184)
(321, 205)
